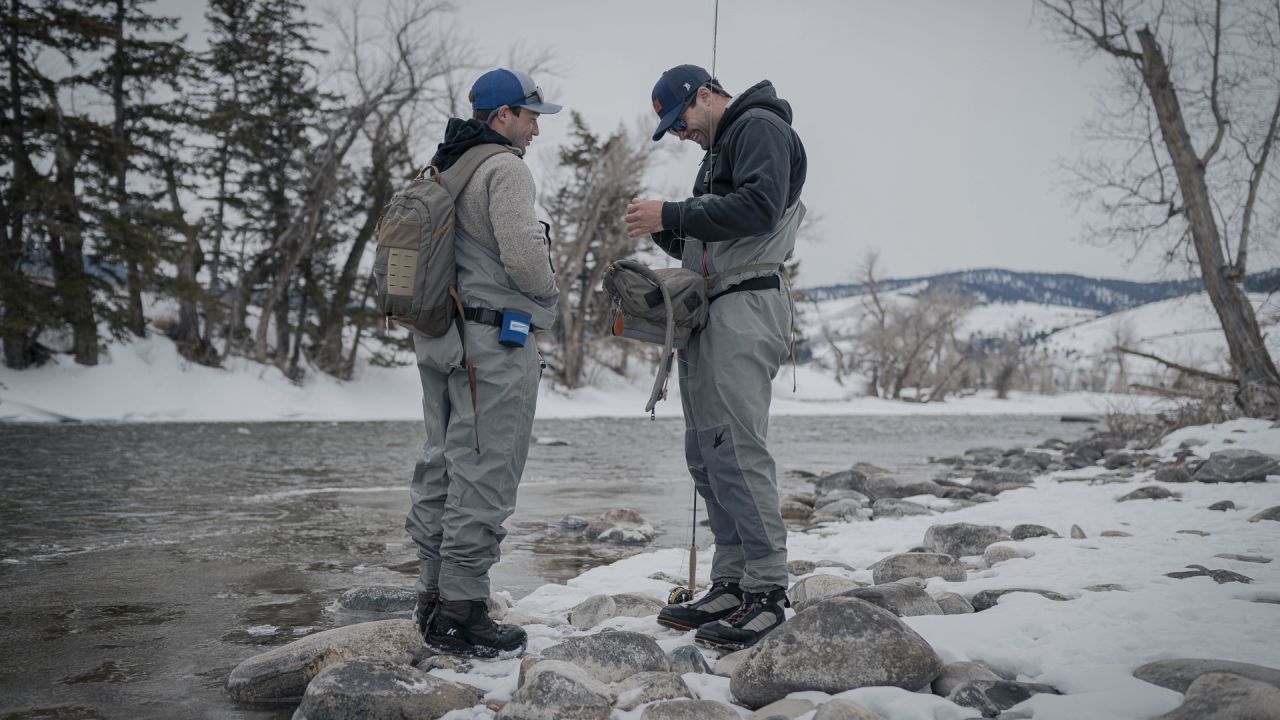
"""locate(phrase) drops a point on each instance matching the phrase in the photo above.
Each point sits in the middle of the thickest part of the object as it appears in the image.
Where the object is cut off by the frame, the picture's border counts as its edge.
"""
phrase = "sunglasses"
(679, 125)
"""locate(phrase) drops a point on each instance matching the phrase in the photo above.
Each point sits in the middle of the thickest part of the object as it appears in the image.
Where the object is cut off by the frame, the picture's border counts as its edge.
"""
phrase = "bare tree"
(1196, 138)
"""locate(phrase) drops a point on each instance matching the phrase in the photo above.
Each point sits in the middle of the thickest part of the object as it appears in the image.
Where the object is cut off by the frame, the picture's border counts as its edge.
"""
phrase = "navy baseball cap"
(673, 90)
(512, 88)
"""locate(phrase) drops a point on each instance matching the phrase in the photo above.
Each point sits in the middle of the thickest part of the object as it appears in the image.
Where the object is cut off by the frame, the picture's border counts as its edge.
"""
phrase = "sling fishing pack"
(414, 268)
(663, 306)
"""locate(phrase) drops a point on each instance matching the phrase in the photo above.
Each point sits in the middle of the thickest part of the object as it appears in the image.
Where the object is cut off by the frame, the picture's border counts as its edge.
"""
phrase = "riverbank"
(147, 381)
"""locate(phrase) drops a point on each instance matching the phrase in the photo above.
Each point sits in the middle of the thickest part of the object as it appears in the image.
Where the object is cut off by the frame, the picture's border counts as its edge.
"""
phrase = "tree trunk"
(1259, 392)
(137, 323)
(330, 357)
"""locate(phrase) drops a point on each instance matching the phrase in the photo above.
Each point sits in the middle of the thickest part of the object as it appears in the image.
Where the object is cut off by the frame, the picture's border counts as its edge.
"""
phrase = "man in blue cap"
(737, 230)
(464, 486)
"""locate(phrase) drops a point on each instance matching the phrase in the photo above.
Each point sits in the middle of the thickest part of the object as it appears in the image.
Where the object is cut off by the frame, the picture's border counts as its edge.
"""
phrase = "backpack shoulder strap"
(455, 179)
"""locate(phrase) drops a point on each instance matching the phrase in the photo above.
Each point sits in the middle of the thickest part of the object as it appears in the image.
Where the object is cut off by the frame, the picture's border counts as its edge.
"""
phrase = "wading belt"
(764, 282)
(487, 316)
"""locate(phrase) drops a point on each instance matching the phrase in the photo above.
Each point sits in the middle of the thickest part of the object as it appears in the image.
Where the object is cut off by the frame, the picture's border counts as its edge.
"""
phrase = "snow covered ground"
(147, 381)
(1086, 647)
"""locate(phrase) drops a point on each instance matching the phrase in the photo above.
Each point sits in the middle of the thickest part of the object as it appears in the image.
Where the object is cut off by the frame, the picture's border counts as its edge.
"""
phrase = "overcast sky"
(934, 128)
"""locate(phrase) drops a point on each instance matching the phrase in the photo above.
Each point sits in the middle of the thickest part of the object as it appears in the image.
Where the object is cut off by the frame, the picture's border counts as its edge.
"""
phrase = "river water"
(140, 563)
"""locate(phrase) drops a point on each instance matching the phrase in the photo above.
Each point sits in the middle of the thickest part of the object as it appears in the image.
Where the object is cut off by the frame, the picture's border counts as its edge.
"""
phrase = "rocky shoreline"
(856, 646)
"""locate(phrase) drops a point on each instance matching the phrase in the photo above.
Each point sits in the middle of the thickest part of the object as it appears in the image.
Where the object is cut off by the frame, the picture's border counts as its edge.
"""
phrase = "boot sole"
(449, 646)
(721, 645)
(665, 622)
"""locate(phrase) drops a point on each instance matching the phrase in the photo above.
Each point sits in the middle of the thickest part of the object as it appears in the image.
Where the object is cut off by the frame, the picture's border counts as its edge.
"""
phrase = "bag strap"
(455, 179)
(717, 278)
(466, 361)
(668, 344)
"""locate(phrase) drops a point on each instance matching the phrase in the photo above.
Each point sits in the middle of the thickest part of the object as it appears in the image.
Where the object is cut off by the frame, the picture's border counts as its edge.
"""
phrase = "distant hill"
(990, 285)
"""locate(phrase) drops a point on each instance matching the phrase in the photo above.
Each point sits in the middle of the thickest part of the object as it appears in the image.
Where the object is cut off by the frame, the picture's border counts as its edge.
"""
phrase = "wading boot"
(753, 619)
(721, 600)
(423, 610)
(465, 628)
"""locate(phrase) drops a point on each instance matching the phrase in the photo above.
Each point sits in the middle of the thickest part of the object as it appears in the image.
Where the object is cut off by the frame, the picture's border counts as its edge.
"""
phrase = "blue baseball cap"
(512, 88)
(672, 93)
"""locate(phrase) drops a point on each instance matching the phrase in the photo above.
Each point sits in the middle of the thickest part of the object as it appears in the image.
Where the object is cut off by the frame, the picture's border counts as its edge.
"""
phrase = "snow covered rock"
(952, 603)
(991, 697)
(960, 539)
(842, 480)
(921, 565)
(1149, 492)
(1271, 513)
(611, 656)
(623, 526)
(1223, 506)
(795, 510)
(558, 691)
(995, 554)
(836, 495)
(572, 523)
(988, 599)
(900, 597)
(1177, 675)
(1219, 576)
(1025, 531)
(955, 674)
(1244, 558)
(647, 687)
(689, 710)
(1077, 533)
(994, 482)
(847, 510)
(369, 689)
(727, 665)
(842, 709)
(1223, 696)
(841, 644)
(889, 507)
(592, 611)
(818, 587)
(687, 658)
(786, 709)
(377, 599)
(283, 673)
(1237, 465)
(800, 567)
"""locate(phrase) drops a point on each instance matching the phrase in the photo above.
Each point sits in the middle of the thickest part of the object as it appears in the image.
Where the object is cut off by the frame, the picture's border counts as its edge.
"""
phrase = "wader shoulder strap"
(455, 179)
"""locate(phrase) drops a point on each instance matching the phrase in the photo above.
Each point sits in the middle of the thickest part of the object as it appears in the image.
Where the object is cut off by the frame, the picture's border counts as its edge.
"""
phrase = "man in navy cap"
(464, 486)
(737, 230)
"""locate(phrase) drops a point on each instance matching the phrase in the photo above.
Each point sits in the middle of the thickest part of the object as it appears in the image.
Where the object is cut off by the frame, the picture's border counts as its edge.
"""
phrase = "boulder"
(689, 710)
(572, 523)
(558, 691)
(592, 611)
(784, 709)
(1177, 675)
(1025, 531)
(960, 539)
(369, 689)
(378, 599)
(800, 567)
(953, 603)
(1148, 492)
(1237, 465)
(818, 587)
(1223, 505)
(848, 510)
(843, 644)
(647, 687)
(283, 673)
(843, 480)
(842, 709)
(1219, 576)
(994, 482)
(889, 507)
(921, 565)
(987, 599)
(622, 526)
(636, 605)
(611, 656)
(792, 510)
(900, 597)
(687, 658)
(1172, 474)
(727, 665)
(955, 674)
(991, 697)
(1223, 696)
(829, 497)
(995, 554)
(1271, 513)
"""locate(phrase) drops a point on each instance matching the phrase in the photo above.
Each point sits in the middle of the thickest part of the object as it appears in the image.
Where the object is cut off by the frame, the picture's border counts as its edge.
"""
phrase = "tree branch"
(1196, 372)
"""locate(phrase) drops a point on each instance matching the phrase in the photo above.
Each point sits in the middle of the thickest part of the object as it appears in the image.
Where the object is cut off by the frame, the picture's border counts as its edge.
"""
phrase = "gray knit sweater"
(498, 203)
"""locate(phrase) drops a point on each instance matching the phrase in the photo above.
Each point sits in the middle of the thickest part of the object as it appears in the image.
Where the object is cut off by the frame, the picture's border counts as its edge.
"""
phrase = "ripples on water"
(139, 563)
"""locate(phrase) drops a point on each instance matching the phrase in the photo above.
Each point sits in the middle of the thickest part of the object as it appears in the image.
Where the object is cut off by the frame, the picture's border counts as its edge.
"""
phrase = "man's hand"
(644, 216)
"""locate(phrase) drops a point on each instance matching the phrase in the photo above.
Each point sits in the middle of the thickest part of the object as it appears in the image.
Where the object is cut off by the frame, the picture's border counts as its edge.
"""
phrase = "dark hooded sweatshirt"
(460, 136)
(759, 171)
